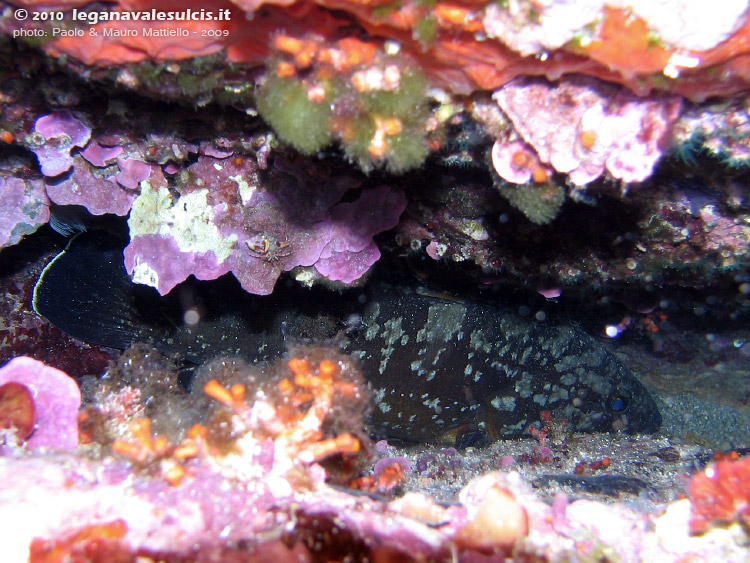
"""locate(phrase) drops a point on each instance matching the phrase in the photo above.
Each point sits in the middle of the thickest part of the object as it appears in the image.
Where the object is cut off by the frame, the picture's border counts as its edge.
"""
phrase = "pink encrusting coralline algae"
(227, 221)
(56, 400)
(582, 127)
(56, 135)
(25, 208)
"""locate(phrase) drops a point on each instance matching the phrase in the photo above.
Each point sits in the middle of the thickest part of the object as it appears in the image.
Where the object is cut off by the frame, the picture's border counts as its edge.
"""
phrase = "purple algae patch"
(93, 190)
(132, 172)
(61, 133)
(99, 155)
(387, 461)
(157, 260)
(25, 208)
(261, 227)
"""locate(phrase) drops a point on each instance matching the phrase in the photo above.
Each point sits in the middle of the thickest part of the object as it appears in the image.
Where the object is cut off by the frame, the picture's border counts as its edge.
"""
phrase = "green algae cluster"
(299, 121)
(540, 203)
(350, 116)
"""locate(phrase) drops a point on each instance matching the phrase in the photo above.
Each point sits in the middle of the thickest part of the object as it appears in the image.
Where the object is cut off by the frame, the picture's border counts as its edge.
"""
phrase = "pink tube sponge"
(56, 400)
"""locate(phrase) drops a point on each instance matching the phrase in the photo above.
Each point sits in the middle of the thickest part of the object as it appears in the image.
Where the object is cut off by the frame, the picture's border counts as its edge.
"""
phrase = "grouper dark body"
(433, 364)
(437, 364)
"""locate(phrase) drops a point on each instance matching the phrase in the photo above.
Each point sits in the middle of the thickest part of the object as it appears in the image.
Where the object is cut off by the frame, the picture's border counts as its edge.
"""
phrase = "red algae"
(720, 495)
(17, 411)
(93, 542)
(40, 401)
(463, 46)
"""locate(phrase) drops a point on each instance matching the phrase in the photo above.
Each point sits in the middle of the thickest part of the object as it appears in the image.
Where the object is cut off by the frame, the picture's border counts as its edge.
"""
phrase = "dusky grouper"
(433, 364)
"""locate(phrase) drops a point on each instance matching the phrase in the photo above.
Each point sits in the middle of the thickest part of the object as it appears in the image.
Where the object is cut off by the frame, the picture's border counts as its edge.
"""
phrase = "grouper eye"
(618, 402)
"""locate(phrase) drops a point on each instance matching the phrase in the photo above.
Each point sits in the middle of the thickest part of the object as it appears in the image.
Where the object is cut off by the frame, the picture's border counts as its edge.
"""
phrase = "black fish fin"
(69, 220)
(86, 292)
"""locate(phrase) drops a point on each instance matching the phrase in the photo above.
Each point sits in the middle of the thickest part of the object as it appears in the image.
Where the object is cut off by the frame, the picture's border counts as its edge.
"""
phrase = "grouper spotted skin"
(434, 365)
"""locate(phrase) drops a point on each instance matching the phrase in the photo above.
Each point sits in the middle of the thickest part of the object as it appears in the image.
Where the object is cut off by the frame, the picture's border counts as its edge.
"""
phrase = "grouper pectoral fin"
(86, 292)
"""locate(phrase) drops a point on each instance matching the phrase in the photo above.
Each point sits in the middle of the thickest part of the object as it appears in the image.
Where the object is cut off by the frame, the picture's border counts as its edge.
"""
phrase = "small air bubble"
(191, 317)
(612, 331)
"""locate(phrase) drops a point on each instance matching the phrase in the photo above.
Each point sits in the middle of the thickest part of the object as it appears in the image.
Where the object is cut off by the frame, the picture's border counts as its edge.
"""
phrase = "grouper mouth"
(433, 364)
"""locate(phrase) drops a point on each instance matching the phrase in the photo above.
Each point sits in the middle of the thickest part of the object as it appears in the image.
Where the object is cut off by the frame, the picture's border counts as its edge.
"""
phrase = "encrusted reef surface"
(306, 266)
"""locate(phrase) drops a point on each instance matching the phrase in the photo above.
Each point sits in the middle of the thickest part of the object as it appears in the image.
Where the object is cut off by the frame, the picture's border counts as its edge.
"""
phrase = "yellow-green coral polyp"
(299, 121)
(539, 202)
(407, 150)
(375, 108)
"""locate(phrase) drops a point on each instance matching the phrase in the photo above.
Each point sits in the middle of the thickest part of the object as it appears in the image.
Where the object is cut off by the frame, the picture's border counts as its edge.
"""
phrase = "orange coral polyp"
(299, 366)
(134, 450)
(344, 443)
(160, 445)
(310, 381)
(378, 146)
(141, 430)
(327, 369)
(539, 175)
(588, 139)
(285, 69)
(520, 159)
(238, 392)
(286, 386)
(305, 57)
(197, 431)
(188, 449)
(357, 52)
(217, 391)
(175, 475)
(392, 126)
(287, 44)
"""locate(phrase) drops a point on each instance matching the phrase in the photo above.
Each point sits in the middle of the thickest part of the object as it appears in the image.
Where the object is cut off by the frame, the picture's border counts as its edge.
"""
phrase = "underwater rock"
(680, 46)
(683, 228)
